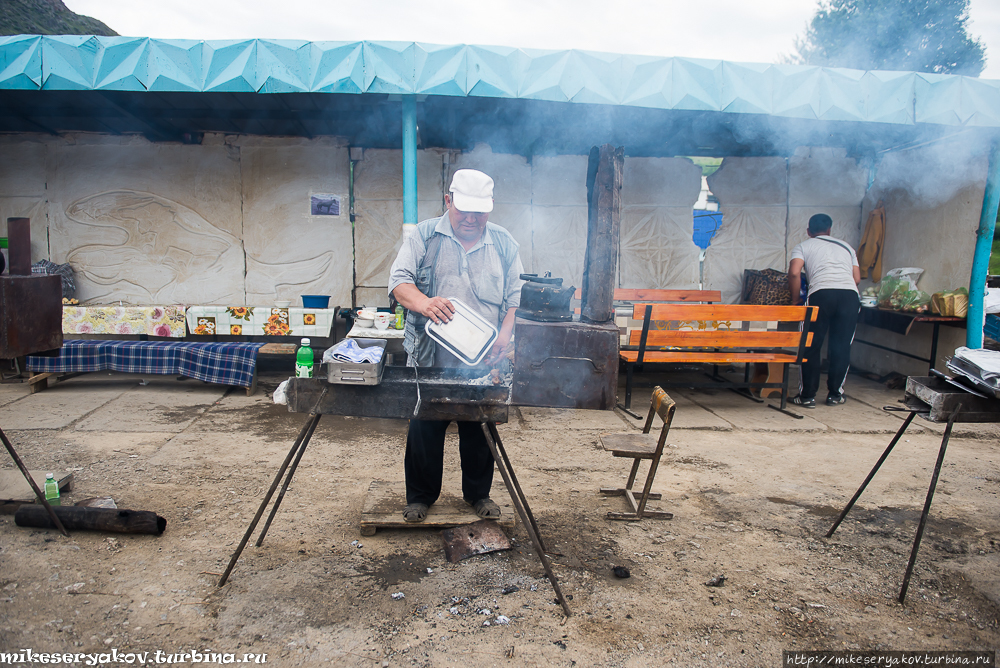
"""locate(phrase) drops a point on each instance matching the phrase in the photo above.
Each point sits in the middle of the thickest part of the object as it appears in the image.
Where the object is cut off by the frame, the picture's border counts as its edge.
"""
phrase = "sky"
(761, 31)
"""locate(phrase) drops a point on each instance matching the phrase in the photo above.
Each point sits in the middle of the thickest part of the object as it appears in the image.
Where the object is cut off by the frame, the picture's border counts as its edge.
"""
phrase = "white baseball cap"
(472, 191)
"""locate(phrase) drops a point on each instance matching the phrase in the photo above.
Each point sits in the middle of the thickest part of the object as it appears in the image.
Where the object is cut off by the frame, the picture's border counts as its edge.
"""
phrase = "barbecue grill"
(558, 362)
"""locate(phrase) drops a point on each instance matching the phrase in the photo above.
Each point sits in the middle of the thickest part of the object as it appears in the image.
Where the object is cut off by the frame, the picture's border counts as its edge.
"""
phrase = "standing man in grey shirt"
(831, 266)
(458, 255)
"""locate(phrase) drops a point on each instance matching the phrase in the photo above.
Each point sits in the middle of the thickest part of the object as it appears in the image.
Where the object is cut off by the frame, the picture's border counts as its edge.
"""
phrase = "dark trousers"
(424, 461)
(838, 317)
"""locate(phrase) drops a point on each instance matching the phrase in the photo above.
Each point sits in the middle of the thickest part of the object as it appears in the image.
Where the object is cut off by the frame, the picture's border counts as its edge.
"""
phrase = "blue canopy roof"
(67, 63)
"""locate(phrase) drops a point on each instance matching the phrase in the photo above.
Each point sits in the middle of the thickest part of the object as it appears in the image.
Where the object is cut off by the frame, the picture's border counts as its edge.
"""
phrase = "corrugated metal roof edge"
(87, 62)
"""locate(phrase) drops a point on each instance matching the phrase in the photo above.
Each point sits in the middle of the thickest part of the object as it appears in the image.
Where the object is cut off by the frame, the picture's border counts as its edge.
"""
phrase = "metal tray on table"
(358, 373)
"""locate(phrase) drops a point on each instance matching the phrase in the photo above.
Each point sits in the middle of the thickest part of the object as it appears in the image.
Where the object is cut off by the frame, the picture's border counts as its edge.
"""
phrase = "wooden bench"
(625, 298)
(39, 381)
(728, 340)
(630, 296)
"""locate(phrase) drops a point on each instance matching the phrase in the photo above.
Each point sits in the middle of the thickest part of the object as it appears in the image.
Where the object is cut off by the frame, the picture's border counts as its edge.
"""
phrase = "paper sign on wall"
(324, 205)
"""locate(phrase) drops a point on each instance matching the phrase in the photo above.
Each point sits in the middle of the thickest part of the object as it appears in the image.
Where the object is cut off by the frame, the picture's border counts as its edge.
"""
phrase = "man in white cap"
(460, 255)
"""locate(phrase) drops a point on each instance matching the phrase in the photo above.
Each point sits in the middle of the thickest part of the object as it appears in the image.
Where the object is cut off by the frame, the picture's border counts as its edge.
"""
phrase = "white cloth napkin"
(348, 350)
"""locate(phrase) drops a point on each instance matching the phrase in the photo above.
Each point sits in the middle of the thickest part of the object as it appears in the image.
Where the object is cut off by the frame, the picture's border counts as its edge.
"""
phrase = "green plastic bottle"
(399, 317)
(304, 360)
(51, 490)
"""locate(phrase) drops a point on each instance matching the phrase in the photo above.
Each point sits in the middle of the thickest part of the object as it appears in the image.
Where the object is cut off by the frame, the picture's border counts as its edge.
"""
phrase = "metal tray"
(941, 399)
(468, 335)
(358, 373)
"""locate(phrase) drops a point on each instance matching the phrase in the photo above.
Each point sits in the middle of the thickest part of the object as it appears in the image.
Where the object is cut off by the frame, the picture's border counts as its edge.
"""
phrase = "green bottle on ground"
(304, 360)
(51, 490)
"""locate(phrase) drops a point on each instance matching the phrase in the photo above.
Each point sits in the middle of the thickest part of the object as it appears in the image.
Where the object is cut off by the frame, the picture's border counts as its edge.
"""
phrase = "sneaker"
(835, 399)
(804, 403)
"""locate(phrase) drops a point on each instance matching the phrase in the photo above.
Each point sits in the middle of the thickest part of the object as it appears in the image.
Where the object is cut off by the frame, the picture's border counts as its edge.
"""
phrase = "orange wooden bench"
(629, 296)
(729, 340)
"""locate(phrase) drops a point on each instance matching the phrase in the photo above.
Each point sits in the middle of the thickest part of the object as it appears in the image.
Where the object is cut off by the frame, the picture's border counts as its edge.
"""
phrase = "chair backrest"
(661, 404)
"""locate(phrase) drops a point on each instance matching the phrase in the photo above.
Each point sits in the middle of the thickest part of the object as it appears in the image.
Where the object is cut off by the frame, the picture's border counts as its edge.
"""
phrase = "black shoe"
(804, 403)
(835, 399)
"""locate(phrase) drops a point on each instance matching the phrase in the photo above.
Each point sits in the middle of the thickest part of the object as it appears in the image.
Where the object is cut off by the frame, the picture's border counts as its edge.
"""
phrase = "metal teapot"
(543, 299)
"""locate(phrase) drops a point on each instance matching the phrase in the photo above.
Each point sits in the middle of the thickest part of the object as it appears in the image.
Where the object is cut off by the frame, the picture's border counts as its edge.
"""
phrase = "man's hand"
(437, 309)
(497, 352)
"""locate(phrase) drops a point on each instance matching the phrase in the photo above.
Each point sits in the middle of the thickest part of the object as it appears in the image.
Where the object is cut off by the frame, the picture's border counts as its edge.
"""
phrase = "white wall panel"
(559, 180)
(673, 182)
(378, 192)
(560, 242)
(289, 251)
(511, 174)
(750, 238)
(750, 182)
(656, 249)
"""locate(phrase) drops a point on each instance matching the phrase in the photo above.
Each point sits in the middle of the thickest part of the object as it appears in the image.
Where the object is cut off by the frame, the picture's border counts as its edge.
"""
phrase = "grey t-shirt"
(829, 263)
(475, 277)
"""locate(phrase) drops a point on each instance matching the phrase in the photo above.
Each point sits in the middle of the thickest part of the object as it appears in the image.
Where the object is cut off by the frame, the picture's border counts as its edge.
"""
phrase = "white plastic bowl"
(364, 322)
(283, 304)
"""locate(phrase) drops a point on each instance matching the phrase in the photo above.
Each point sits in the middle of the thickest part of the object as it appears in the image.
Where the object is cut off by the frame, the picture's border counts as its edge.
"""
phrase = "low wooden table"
(902, 322)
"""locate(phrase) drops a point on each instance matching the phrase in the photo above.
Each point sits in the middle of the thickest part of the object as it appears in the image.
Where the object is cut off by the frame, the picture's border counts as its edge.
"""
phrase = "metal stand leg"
(934, 344)
(298, 447)
(784, 397)
(34, 487)
(878, 465)
(521, 505)
(927, 503)
(288, 480)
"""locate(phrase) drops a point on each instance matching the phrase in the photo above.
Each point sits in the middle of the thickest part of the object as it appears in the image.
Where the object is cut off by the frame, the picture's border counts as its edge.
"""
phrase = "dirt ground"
(753, 493)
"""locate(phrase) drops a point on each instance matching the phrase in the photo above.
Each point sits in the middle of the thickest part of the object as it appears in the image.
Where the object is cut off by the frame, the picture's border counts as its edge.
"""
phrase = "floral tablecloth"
(259, 321)
(150, 320)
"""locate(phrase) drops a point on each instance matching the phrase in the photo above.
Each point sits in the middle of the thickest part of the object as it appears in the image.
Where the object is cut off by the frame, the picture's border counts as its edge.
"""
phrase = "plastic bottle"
(51, 490)
(304, 361)
(399, 317)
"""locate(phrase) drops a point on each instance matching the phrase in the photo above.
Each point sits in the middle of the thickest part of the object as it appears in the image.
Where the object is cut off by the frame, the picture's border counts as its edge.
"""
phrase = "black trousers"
(424, 461)
(838, 317)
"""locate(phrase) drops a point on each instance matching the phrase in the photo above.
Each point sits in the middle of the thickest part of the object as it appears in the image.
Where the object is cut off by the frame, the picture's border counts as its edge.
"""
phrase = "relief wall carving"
(142, 248)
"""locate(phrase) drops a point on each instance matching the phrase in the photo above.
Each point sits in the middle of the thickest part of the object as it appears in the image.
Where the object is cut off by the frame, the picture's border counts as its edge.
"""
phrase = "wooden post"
(604, 201)
(116, 520)
(19, 246)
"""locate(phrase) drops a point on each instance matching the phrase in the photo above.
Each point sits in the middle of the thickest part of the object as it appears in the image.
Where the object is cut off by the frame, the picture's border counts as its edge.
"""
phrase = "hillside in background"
(46, 17)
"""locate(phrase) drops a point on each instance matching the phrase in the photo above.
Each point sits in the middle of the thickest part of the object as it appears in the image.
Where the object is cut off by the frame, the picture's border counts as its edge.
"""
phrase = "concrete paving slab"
(859, 418)
(11, 392)
(163, 404)
(688, 415)
(571, 418)
(63, 404)
(746, 414)
(89, 445)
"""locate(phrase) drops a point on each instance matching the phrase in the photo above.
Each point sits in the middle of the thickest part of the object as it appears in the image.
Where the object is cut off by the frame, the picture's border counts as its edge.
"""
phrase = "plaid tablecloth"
(217, 363)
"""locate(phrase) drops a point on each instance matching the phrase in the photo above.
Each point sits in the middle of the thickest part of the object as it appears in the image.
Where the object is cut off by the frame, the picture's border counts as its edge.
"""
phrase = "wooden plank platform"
(383, 509)
(15, 490)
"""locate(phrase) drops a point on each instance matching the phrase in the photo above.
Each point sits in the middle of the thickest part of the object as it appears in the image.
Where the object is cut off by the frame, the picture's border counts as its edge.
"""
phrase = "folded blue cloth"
(348, 350)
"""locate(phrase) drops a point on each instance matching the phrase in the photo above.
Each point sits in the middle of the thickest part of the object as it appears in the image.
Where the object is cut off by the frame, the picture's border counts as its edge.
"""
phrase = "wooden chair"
(639, 447)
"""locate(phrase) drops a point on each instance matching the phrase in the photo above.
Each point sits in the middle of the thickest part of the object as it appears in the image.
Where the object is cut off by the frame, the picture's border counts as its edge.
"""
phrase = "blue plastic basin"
(315, 301)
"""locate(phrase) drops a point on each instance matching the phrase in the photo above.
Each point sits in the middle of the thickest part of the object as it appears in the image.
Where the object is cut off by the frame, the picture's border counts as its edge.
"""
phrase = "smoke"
(933, 174)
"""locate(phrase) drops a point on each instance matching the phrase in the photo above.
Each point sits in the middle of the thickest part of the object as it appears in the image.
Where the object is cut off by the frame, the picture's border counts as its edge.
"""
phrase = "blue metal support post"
(409, 160)
(984, 246)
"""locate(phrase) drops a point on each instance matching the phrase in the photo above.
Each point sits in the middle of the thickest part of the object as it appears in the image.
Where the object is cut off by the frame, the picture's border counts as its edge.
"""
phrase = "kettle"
(543, 299)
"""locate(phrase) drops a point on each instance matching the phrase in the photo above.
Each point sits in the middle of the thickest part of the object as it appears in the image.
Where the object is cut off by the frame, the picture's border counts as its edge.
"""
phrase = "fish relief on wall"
(142, 248)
